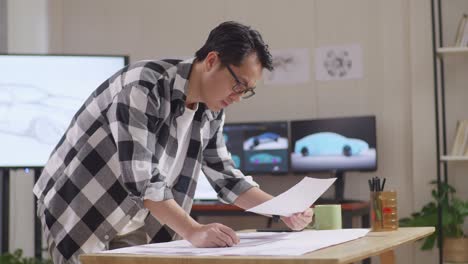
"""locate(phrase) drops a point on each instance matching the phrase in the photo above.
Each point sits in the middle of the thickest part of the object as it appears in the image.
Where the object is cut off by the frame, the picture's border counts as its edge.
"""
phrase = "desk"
(374, 244)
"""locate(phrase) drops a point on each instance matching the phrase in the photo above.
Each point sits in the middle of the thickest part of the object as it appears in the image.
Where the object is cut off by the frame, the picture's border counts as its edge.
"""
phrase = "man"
(126, 169)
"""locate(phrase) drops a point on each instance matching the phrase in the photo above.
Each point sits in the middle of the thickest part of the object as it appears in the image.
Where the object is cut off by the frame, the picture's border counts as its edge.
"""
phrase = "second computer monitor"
(260, 147)
(334, 144)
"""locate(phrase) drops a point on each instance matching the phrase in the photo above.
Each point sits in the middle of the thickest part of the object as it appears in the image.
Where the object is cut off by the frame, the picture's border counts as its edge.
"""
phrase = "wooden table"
(374, 244)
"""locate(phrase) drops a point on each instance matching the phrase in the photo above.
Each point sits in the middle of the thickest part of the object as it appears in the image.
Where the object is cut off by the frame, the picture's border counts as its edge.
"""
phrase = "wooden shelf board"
(454, 158)
(452, 51)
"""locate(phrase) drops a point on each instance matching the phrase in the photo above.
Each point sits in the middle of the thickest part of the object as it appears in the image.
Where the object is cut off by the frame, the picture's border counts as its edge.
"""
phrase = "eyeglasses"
(240, 87)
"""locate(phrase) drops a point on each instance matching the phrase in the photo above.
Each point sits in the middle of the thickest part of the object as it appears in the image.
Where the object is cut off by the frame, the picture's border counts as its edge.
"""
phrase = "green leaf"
(17, 258)
(429, 242)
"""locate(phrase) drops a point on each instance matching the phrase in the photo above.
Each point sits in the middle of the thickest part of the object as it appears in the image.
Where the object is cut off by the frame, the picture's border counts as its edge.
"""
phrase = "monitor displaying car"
(257, 148)
(39, 94)
(334, 144)
(233, 138)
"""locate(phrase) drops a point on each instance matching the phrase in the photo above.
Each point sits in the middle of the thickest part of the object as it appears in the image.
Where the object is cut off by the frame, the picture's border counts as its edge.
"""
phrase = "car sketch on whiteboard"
(28, 110)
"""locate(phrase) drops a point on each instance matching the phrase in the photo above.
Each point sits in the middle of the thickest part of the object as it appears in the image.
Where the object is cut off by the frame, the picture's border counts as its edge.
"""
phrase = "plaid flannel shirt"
(106, 164)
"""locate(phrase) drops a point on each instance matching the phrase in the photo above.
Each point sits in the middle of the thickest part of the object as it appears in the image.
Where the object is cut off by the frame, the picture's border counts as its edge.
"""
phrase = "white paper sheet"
(292, 66)
(295, 200)
(254, 244)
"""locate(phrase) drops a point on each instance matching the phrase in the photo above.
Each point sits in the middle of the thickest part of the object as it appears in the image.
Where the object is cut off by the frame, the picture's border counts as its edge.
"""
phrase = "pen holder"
(384, 213)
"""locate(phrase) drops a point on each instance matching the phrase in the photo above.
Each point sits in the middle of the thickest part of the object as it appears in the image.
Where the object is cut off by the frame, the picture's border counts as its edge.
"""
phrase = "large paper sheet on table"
(254, 244)
(295, 200)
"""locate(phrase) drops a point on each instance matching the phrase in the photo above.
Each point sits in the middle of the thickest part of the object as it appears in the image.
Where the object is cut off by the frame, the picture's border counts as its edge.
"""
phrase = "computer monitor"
(334, 144)
(39, 94)
(258, 148)
(204, 190)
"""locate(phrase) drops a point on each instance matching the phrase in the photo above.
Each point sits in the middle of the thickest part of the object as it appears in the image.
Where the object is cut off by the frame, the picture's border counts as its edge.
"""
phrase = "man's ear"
(211, 61)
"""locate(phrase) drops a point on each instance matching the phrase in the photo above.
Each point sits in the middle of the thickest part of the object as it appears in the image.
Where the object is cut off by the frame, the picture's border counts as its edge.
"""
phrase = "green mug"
(327, 217)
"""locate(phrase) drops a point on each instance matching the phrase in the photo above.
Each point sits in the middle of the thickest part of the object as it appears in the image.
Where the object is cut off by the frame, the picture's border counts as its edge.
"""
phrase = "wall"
(22, 214)
(422, 124)
(27, 27)
(3, 26)
(397, 85)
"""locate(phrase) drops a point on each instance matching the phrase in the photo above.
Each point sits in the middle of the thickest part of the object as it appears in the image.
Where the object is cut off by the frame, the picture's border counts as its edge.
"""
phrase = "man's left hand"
(299, 221)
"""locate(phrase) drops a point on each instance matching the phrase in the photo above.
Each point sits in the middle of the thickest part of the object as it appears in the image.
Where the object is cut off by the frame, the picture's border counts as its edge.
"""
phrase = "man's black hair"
(233, 42)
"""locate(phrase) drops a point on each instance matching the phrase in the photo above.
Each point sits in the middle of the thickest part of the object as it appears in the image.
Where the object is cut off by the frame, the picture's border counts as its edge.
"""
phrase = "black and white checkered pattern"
(106, 164)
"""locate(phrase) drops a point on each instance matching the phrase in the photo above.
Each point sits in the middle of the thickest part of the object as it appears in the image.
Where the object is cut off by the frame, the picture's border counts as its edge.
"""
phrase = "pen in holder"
(384, 213)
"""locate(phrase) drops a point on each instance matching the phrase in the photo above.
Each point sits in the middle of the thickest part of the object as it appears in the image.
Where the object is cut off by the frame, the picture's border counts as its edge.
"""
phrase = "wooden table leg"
(388, 257)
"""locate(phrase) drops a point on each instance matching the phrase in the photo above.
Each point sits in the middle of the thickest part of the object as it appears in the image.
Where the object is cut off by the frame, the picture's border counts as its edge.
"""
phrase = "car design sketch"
(267, 137)
(31, 111)
(329, 143)
(338, 63)
(236, 160)
(264, 158)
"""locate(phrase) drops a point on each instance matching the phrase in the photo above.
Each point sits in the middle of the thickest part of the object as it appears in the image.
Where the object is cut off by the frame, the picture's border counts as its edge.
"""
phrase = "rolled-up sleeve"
(219, 168)
(133, 120)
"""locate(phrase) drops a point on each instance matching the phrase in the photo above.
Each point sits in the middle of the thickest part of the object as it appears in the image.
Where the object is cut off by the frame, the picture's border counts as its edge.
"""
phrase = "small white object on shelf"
(461, 39)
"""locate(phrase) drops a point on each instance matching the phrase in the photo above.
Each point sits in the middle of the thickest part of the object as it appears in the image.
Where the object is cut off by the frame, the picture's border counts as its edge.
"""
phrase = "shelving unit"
(440, 53)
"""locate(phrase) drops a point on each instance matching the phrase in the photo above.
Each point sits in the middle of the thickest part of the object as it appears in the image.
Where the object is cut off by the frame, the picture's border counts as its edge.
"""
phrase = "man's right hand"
(212, 235)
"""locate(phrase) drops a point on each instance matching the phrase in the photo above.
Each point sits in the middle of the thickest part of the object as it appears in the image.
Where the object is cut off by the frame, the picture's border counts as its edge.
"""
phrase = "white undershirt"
(184, 129)
(171, 171)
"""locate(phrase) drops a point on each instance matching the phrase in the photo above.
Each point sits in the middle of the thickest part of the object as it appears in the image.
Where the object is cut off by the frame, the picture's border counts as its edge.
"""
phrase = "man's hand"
(212, 235)
(299, 221)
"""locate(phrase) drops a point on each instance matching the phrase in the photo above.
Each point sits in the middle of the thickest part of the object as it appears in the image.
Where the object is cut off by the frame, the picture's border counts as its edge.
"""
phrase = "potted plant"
(454, 212)
(17, 258)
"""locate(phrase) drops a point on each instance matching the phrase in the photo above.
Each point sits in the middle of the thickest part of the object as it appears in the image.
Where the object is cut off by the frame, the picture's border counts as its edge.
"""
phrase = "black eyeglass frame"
(240, 87)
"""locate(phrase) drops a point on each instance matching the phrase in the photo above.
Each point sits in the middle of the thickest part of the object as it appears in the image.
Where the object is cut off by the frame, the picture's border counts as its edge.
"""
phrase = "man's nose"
(235, 97)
